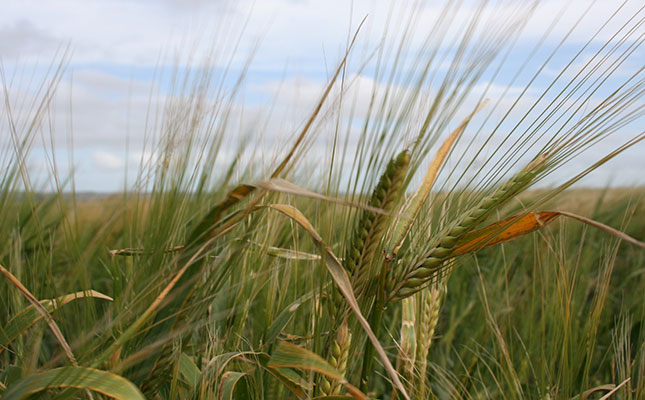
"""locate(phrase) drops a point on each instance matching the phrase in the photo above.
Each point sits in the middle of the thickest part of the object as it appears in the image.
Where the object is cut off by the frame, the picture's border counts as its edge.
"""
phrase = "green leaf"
(288, 377)
(102, 382)
(283, 319)
(227, 384)
(189, 370)
(289, 355)
(10, 375)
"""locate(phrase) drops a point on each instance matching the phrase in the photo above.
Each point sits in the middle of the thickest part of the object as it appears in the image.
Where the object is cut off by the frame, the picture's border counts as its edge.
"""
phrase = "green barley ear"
(430, 300)
(426, 266)
(338, 357)
(367, 236)
(371, 226)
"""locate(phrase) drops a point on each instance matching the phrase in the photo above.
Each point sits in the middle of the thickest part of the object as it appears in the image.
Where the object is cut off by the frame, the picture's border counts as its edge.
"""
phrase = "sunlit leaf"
(504, 231)
(283, 186)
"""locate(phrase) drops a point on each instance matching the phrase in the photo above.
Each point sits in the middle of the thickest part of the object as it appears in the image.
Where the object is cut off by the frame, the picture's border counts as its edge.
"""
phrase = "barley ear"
(425, 267)
(429, 317)
(338, 356)
(368, 233)
(371, 227)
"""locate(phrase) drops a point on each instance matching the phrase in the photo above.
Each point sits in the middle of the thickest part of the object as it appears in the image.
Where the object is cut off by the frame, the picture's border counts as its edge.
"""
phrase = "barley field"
(436, 245)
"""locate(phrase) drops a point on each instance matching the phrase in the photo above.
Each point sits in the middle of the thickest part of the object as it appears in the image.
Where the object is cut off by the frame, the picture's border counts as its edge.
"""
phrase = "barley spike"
(429, 317)
(425, 267)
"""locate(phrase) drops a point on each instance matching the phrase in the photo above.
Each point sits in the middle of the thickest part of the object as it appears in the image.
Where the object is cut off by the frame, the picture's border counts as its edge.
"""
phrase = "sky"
(122, 57)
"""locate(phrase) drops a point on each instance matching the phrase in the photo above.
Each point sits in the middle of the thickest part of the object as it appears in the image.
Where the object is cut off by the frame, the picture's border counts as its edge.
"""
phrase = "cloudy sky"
(120, 57)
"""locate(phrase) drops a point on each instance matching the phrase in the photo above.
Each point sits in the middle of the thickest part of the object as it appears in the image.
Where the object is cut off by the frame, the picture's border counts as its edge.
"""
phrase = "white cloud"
(107, 160)
(135, 32)
(22, 38)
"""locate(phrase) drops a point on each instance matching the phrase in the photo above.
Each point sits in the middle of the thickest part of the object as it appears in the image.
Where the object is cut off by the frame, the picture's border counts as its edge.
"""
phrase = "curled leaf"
(517, 226)
(284, 186)
(43, 312)
(227, 384)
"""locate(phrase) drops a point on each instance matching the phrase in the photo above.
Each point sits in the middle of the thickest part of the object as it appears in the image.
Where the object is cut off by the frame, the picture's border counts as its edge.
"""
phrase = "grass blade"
(29, 316)
(288, 355)
(43, 312)
(283, 319)
(95, 380)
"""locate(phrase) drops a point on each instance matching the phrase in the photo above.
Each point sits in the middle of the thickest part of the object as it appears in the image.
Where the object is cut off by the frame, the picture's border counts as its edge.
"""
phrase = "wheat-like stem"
(408, 346)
